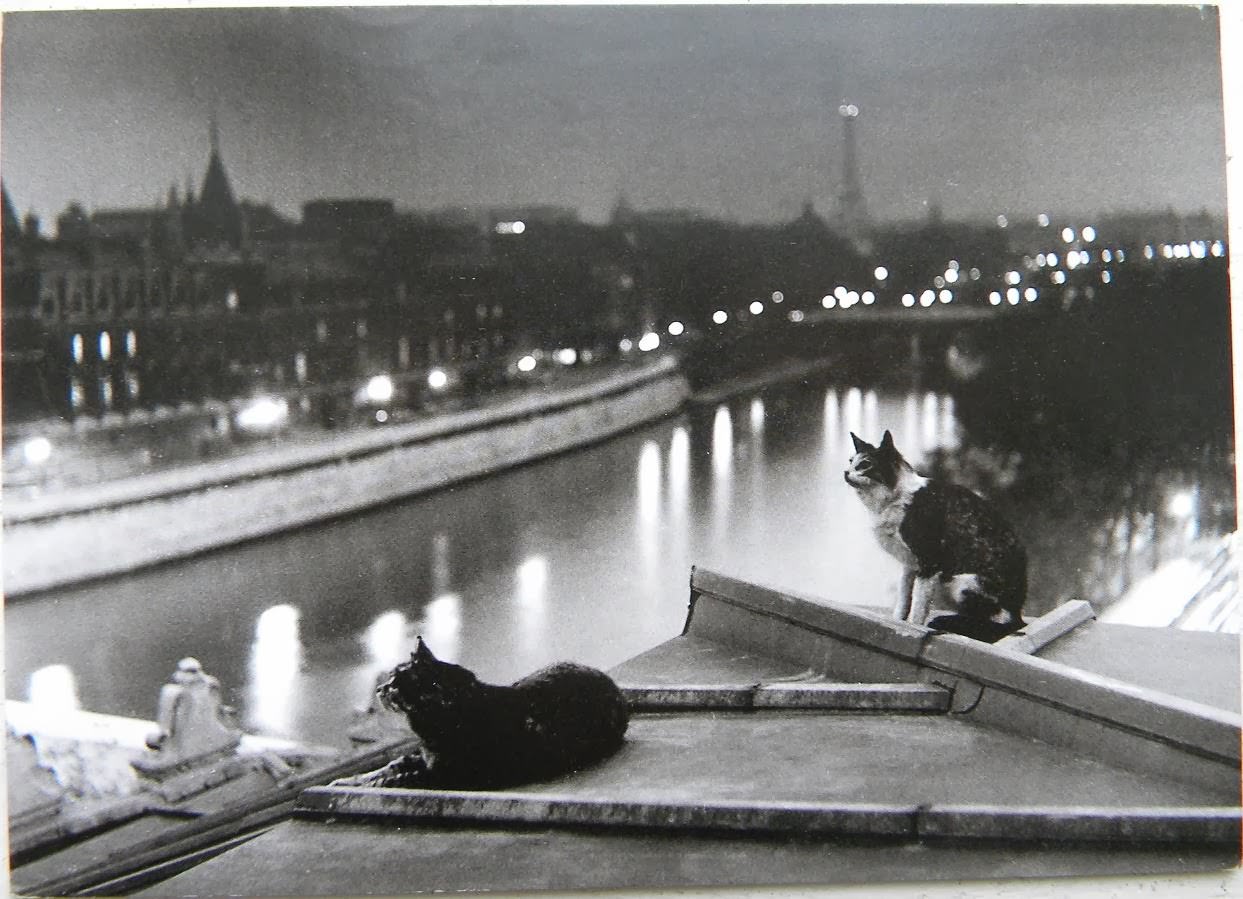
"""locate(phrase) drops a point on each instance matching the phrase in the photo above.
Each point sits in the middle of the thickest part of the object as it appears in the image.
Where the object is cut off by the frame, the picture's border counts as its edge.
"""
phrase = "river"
(585, 556)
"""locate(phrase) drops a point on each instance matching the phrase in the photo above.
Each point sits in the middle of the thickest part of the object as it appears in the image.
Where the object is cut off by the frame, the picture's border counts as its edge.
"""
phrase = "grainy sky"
(732, 110)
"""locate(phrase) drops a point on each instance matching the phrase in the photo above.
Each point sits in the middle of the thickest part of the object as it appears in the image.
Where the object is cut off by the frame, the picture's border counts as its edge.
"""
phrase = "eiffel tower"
(852, 214)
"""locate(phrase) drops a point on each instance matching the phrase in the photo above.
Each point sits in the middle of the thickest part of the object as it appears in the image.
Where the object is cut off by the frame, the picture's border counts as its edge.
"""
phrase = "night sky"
(730, 110)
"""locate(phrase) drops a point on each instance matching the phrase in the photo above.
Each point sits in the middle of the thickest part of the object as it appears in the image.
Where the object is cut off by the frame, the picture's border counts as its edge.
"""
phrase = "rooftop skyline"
(731, 110)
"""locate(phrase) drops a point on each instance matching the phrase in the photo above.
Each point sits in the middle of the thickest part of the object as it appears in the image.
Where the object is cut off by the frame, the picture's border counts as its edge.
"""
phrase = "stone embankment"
(118, 526)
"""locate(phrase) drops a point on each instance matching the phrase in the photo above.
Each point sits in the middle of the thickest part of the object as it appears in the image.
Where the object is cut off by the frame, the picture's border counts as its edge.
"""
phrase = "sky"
(731, 110)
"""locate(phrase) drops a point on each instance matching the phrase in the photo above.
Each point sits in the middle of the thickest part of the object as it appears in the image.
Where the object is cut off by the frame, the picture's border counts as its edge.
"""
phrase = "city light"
(1051, 259)
(974, 274)
(105, 346)
(527, 363)
(1012, 296)
(908, 300)
(37, 450)
(649, 341)
(265, 413)
(1002, 221)
(1040, 260)
(868, 298)
(720, 316)
(1013, 277)
(994, 298)
(131, 344)
(380, 389)
(1030, 294)
(1089, 234)
(437, 379)
(852, 297)
(927, 298)
(76, 347)
(756, 308)
(840, 292)
(1059, 277)
(778, 296)
(1106, 277)
(1042, 220)
(676, 328)
(1148, 252)
(953, 265)
(946, 296)
(1198, 250)
(828, 301)
(510, 227)
(1107, 256)
(951, 275)
(1121, 256)
(881, 273)
(938, 282)
(1217, 249)
(1068, 235)
(1072, 260)
(566, 355)
(796, 316)
(381, 416)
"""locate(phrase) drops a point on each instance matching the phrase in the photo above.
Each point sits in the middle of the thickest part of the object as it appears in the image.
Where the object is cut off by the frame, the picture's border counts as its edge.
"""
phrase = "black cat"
(484, 736)
(960, 554)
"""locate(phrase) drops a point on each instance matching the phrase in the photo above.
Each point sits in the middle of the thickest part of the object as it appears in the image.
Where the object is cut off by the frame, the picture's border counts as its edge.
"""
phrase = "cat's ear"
(422, 653)
(860, 446)
(886, 443)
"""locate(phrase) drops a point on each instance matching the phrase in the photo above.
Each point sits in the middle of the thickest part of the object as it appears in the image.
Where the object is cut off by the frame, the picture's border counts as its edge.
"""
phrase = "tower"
(852, 214)
(215, 218)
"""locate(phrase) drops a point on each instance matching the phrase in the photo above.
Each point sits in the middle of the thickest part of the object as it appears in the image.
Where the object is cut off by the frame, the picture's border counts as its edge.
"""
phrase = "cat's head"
(425, 682)
(875, 469)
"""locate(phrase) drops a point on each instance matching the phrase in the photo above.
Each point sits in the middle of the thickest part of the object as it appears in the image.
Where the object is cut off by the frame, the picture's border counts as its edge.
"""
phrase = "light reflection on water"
(584, 557)
(272, 690)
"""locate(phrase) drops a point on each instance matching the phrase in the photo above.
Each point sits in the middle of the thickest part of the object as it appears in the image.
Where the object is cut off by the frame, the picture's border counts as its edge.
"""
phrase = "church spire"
(213, 132)
(216, 217)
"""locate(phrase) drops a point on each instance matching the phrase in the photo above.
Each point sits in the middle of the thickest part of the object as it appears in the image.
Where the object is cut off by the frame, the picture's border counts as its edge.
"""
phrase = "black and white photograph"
(496, 448)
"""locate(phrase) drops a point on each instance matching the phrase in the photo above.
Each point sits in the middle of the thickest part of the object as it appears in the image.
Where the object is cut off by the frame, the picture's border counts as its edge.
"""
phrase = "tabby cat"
(960, 555)
(475, 735)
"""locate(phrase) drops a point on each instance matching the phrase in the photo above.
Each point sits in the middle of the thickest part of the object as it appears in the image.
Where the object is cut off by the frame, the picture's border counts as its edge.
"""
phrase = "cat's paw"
(405, 772)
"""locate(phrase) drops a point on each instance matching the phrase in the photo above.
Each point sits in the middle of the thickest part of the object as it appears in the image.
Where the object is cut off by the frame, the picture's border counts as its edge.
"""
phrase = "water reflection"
(441, 571)
(679, 471)
(757, 416)
(929, 421)
(649, 484)
(441, 626)
(274, 685)
(833, 439)
(722, 442)
(53, 689)
(387, 640)
(531, 599)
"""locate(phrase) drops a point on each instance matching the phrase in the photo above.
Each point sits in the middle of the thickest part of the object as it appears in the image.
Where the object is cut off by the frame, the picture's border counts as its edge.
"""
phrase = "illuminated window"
(105, 346)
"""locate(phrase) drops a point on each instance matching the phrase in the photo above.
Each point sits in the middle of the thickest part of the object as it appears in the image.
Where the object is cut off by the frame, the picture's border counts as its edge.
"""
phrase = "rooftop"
(782, 739)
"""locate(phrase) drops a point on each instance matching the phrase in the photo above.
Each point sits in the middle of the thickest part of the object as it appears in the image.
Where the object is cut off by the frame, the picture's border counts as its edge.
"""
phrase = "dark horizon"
(732, 111)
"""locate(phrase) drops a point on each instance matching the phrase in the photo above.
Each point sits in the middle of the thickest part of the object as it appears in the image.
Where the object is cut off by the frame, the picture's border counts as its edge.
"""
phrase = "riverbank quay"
(785, 740)
(120, 525)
